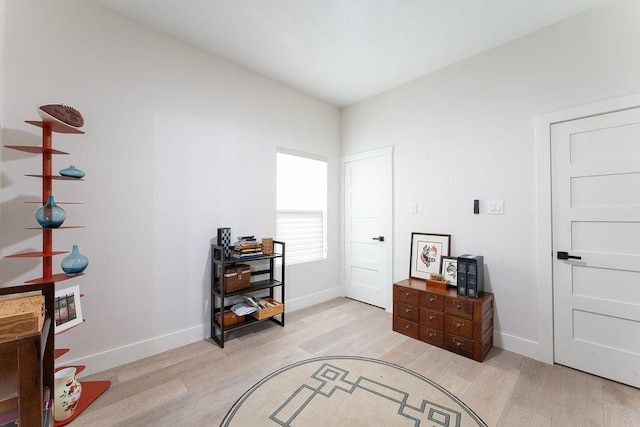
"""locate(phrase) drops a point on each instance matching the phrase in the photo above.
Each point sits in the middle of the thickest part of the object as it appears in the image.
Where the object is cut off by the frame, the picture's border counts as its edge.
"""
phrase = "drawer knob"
(459, 324)
(407, 326)
(431, 317)
(432, 299)
(458, 306)
(407, 294)
(458, 344)
(407, 309)
(432, 334)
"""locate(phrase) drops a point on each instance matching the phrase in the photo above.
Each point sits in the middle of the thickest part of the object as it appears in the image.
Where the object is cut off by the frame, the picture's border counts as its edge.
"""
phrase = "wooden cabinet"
(263, 279)
(443, 318)
(26, 377)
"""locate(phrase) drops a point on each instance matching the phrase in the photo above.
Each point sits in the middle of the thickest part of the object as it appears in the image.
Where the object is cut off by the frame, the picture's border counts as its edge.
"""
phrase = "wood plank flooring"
(195, 385)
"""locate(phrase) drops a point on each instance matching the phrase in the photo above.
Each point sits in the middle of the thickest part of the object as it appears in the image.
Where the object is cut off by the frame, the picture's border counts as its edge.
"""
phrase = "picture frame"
(67, 309)
(449, 269)
(427, 250)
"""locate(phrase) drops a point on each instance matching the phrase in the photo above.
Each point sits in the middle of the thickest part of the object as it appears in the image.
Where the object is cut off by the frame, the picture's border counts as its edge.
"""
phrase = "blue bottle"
(50, 215)
(72, 172)
(74, 263)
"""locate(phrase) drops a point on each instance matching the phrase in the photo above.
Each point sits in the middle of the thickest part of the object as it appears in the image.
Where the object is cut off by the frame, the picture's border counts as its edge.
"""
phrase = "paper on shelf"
(242, 309)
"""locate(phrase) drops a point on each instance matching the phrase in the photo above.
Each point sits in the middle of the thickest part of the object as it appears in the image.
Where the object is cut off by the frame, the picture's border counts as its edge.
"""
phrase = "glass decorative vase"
(74, 263)
(72, 172)
(50, 215)
(67, 391)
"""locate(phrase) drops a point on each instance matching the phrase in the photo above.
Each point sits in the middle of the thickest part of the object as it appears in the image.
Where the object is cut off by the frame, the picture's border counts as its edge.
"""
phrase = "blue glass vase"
(72, 172)
(50, 215)
(74, 263)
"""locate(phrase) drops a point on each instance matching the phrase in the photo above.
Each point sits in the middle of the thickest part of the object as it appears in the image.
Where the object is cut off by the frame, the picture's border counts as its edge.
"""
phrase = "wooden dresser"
(443, 318)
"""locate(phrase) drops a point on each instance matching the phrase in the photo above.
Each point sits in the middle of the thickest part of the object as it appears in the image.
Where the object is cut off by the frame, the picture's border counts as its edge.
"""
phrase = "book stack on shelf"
(247, 247)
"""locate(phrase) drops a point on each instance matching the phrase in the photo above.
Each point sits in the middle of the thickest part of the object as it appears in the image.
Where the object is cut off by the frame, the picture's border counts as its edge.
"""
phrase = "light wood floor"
(195, 385)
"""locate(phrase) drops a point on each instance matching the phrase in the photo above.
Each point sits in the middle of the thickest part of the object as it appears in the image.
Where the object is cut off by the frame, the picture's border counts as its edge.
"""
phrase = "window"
(302, 205)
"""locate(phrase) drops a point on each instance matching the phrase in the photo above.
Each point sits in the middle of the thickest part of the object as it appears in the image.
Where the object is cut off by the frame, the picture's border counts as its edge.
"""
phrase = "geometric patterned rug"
(348, 391)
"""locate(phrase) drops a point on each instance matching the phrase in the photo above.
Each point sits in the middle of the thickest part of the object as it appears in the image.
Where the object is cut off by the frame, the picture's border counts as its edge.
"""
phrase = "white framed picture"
(449, 270)
(427, 249)
(67, 308)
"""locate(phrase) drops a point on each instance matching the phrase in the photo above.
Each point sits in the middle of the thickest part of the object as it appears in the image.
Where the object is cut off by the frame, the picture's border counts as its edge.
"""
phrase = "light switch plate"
(495, 207)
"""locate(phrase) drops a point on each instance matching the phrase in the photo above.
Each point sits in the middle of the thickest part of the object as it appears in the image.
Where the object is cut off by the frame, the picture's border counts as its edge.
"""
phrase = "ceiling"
(343, 51)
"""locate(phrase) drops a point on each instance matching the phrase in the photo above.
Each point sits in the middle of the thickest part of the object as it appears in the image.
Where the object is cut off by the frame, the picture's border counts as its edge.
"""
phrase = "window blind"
(303, 231)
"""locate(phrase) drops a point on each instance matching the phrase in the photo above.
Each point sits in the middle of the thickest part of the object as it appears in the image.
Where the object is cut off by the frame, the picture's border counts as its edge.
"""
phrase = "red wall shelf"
(34, 149)
(36, 254)
(57, 177)
(91, 390)
(59, 352)
(62, 227)
(54, 278)
(55, 126)
(79, 368)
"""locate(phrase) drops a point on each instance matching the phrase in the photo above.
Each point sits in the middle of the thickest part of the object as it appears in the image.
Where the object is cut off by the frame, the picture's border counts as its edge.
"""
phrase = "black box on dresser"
(470, 280)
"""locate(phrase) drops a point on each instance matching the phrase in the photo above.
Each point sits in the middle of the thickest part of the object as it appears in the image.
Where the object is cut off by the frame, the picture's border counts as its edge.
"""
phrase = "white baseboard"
(515, 344)
(130, 353)
(312, 299)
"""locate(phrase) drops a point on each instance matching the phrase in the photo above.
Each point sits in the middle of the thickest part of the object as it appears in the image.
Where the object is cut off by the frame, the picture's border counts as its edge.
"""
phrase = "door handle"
(565, 255)
(379, 238)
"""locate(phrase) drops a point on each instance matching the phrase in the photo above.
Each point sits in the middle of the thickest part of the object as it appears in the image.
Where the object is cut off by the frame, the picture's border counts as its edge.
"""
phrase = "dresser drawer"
(459, 307)
(431, 336)
(406, 311)
(476, 350)
(432, 318)
(405, 327)
(462, 327)
(408, 295)
(435, 301)
(461, 345)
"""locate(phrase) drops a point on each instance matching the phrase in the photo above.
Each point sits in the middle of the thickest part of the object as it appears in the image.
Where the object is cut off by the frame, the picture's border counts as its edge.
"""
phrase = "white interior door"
(596, 218)
(368, 204)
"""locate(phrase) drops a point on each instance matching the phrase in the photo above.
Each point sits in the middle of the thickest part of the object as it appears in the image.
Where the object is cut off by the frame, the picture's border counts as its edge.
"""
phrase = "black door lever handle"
(379, 238)
(565, 255)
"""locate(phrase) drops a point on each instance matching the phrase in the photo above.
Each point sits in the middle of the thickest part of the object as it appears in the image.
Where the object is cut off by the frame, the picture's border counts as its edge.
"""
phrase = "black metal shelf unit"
(263, 278)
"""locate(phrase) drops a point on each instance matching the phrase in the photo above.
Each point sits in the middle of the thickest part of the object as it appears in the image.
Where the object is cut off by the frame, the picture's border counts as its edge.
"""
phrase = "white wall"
(465, 132)
(2, 33)
(177, 144)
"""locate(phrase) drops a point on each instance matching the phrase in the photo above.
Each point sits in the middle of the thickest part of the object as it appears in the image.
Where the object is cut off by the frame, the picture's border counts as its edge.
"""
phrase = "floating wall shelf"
(91, 390)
